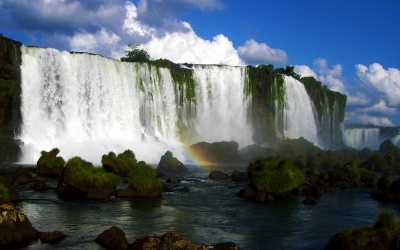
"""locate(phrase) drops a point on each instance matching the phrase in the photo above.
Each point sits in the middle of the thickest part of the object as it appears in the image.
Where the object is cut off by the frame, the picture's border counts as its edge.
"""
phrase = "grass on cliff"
(143, 177)
(84, 171)
(50, 159)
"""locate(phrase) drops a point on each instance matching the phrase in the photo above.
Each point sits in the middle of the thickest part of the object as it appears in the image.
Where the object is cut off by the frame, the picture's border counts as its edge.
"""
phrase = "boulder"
(113, 238)
(173, 180)
(130, 192)
(22, 176)
(15, 227)
(225, 246)
(51, 237)
(310, 200)
(40, 185)
(170, 240)
(50, 164)
(218, 175)
(239, 176)
(70, 187)
(12, 194)
(170, 165)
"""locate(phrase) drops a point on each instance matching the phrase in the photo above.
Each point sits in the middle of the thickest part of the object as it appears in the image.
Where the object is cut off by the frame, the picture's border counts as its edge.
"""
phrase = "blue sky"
(351, 46)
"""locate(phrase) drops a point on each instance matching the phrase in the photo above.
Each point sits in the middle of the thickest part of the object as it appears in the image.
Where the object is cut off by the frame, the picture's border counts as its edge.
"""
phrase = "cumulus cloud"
(380, 108)
(386, 82)
(255, 53)
(358, 118)
(329, 76)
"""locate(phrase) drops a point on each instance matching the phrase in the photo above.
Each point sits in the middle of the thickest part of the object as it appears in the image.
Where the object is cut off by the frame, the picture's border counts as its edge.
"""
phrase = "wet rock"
(225, 246)
(22, 176)
(51, 237)
(113, 238)
(170, 165)
(218, 175)
(130, 192)
(239, 176)
(310, 200)
(173, 180)
(15, 227)
(170, 240)
(40, 185)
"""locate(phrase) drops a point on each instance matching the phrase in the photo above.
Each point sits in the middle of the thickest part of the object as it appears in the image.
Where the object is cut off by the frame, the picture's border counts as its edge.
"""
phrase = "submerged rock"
(239, 176)
(170, 165)
(51, 237)
(170, 240)
(130, 192)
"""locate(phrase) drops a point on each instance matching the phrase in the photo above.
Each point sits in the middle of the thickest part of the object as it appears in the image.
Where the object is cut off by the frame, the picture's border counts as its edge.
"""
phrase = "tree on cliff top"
(135, 54)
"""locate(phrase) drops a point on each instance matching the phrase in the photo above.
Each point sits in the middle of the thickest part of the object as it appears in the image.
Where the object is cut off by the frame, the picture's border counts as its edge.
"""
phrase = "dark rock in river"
(50, 164)
(130, 192)
(170, 240)
(218, 175)
(113, 238)
(22, 176)
(40, 185)
(225, 246)
(51, 237)
(170, 165)
(310, 200)
(239, 176)
(173, 180)
(11, 190)
(15, 227)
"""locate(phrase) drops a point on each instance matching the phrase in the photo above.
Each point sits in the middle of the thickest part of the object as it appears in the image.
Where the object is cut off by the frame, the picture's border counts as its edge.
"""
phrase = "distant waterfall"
(88, 105)
(360, 138)
(298, 115)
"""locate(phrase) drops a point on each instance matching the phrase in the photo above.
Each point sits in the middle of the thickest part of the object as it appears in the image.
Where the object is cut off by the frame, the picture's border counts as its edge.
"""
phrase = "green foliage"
(384, 231)
(3, 190)
(7, 88)
(295, 147)
(135, 54)
(274, 175)
(84, 171)
(143, 177)
(50, 159)
(121, 164)
(350, 172)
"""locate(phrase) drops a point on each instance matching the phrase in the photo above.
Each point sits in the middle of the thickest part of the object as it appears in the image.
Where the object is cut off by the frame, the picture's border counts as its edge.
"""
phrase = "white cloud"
(260, 53)
(96, 42)
(357, 118)
(380, 107)
(357, 99)
(384, 81)
(190, 48)
(330, 77)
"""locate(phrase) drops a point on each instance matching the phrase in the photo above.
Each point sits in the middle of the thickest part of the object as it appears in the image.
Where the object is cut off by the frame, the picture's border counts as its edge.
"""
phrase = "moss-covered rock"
(122, 164)
(385, 234)
(170, 165)
(216, 152)
(81, 179)
(50, 164)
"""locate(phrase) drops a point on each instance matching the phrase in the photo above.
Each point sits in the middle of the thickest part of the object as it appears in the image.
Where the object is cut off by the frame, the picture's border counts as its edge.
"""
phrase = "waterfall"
(298, 115)
(87, 105)
(360, 138)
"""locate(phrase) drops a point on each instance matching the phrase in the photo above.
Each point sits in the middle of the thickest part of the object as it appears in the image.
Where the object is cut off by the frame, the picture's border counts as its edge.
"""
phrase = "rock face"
(217, 152)
(170, 165)
(10, 59)
(218, 175)
(15, 227)
(239, 176)
(68, 186)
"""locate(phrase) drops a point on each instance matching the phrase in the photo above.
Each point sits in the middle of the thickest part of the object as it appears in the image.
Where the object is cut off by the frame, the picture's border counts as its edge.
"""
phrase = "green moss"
(121, 164)
(276, 176)
(7, 89)
(143, 177)
(84, 171)
(50, 159)
(3, 191)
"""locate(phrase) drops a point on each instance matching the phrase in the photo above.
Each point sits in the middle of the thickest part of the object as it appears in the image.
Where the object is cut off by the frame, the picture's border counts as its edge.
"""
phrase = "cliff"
(10, 60)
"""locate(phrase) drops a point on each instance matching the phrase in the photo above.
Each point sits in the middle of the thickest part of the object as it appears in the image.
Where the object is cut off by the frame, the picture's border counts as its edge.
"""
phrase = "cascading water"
(298, 115)
(87, 105)
(360, 138)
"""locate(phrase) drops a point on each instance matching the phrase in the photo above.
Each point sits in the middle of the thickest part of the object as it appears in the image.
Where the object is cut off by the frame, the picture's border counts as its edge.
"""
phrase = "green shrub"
(367, 175)
(276, 176)
(82, 170)
(143, 177)
(384, 182)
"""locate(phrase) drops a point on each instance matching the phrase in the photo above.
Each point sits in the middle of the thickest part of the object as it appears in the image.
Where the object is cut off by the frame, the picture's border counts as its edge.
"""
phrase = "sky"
(350, 46)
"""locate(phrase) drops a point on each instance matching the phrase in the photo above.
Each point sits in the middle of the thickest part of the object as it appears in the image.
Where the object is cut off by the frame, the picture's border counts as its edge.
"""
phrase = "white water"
(87, 105)
(360, 138)
(298, 115)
